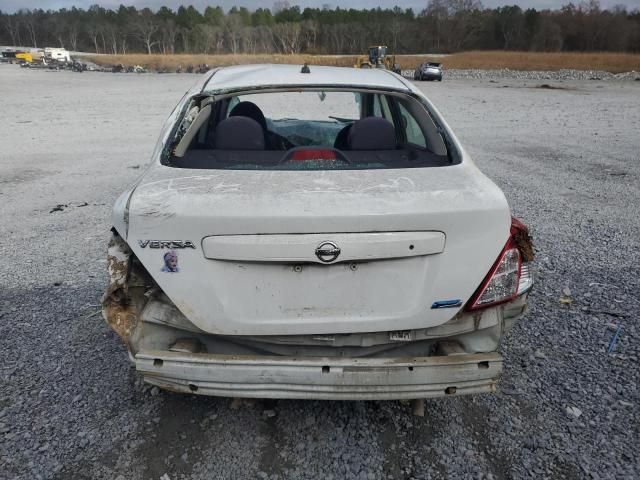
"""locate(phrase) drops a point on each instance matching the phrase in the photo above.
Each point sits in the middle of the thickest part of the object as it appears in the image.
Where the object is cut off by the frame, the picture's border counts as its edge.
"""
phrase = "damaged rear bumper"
(320, 378)
(172, 353)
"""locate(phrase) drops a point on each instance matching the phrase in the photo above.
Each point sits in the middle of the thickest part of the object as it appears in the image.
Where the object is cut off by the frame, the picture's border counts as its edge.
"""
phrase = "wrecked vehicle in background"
(314, 235)
(428, 71)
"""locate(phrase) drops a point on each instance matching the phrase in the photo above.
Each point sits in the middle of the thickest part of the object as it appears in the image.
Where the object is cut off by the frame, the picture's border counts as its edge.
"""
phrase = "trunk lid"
(318, 252)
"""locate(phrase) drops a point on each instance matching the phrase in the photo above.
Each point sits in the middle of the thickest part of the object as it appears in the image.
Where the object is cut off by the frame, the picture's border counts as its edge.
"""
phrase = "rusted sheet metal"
(118, 256)
(117, 308)
(522, 240)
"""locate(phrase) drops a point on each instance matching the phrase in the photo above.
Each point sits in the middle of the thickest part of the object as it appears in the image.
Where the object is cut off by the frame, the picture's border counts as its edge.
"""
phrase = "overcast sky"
(417, 5)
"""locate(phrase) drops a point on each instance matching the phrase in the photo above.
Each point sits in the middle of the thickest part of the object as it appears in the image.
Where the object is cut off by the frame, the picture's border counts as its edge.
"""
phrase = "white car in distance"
(314, 235)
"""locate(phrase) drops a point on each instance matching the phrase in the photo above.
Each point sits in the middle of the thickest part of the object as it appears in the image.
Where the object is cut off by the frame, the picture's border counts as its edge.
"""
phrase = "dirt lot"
(568, 160)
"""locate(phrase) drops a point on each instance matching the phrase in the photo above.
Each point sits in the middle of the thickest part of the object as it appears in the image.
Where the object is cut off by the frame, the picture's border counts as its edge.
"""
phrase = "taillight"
(510, 275)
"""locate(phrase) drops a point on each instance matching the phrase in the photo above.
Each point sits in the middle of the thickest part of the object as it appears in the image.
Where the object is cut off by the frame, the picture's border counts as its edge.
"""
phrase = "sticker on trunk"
(170, 262)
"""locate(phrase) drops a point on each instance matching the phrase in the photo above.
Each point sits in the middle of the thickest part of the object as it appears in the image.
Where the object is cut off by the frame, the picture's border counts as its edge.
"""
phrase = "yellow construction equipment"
(24, 56)
(378, 58)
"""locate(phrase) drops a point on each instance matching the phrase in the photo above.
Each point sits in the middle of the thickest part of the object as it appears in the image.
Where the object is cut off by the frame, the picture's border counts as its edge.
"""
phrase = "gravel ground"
(560, 75)
(566, 155)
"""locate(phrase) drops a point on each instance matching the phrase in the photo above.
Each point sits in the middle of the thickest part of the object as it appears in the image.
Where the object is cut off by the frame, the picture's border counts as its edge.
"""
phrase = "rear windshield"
(307, 130)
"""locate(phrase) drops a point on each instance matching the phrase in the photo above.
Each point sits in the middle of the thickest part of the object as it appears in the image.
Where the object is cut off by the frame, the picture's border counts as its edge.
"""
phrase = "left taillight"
(511, 274)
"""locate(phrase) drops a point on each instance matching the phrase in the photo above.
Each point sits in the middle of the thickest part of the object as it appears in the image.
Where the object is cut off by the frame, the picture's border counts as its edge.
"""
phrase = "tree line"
(443, 26)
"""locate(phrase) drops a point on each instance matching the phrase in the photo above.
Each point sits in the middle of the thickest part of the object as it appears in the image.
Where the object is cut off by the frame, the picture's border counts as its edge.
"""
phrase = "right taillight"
(526, 278)
(510, 275)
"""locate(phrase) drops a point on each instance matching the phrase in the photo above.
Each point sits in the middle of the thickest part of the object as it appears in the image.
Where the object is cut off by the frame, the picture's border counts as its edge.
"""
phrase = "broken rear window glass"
(310, 129)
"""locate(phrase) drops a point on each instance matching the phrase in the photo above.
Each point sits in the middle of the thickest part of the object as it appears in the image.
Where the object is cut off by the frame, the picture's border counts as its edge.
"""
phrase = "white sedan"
(314, 234)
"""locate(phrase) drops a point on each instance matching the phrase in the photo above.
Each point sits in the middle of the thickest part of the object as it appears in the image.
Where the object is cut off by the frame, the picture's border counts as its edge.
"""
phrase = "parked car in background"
(57, 54)
(314, 235)
(428, 71)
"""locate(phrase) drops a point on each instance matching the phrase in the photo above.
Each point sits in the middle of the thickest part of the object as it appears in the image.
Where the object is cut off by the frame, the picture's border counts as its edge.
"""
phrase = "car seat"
(372, 133)
(239, 133)
(250, 110)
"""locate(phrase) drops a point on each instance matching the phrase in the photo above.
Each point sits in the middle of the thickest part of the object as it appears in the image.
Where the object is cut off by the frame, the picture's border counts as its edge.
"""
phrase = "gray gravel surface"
(568, 159)
(507, 74)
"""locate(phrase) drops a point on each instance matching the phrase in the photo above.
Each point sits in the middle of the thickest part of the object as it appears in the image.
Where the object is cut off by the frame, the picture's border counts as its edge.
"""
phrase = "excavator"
(378, 58)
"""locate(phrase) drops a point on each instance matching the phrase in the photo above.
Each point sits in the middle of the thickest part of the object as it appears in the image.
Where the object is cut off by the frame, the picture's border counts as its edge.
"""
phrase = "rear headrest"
(372, 133)
(251, 110)
(239, 133)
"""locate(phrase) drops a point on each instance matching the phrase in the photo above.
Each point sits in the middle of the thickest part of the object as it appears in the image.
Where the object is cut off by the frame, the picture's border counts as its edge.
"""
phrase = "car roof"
(244, 77)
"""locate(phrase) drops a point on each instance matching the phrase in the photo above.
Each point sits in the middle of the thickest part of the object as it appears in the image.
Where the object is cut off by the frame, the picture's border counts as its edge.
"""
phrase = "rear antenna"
(305, 68)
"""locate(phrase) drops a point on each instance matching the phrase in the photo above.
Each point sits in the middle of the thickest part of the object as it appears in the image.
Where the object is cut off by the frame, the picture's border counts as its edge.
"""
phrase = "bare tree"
(233, 31)
(264, 38)
(445, 25)
(437, 12)
(337, 39)
(93, 32)
(145, 27)
(169, 32)
(30, 22)
(209, 38)
(185, 36)
(113, 34)
(73, 31)
(510, 24)
(11, 24)
(57, 27)
(248, 40)
(548, 37)
(288, 36)
(310, 35)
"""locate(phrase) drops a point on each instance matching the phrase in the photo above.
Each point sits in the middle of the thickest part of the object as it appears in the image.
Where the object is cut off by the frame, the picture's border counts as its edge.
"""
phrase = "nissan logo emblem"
(327, 252)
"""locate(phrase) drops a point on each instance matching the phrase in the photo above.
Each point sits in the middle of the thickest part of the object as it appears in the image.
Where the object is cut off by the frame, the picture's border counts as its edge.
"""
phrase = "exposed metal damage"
(522, 239)
(125, 295)
(457, 357)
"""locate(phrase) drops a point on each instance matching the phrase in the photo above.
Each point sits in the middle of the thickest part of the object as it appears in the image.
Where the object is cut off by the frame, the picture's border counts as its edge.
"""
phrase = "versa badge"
(166, 244)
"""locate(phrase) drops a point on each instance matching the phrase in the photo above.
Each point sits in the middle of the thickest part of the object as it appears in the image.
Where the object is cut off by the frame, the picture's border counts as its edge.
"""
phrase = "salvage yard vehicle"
(57, 54)
(314, 235)
(428, 71)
